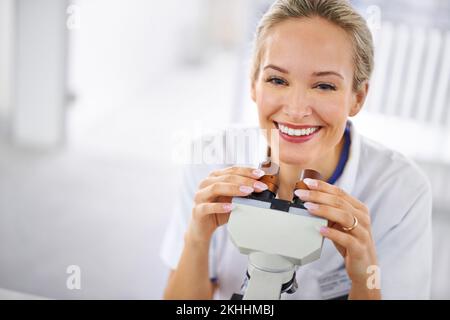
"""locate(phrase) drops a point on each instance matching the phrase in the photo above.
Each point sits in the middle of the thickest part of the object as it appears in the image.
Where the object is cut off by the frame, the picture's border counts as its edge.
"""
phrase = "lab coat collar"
(348, 178)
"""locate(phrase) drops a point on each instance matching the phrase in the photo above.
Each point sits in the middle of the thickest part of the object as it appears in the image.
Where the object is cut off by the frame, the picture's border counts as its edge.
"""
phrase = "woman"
(311, 68)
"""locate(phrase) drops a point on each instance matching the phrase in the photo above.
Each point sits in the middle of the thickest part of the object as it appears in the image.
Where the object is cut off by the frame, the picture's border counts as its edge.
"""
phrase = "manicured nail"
(258, 173)
(246, 189)
(324, 230)
(228, 206)
(260, 185)
(302, 194)
(311, 182)
(310, 206)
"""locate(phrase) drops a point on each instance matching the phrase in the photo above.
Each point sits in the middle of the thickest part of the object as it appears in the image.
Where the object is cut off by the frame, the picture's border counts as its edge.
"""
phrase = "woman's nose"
(298, 105)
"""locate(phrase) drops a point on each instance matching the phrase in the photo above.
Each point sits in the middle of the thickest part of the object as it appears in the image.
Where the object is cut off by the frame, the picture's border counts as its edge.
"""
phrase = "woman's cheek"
(333, 111)
(268, 104)
(334, 117)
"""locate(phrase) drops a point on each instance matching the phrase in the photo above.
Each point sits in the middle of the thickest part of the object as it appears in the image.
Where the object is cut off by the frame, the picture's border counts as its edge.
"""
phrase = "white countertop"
(6, 294)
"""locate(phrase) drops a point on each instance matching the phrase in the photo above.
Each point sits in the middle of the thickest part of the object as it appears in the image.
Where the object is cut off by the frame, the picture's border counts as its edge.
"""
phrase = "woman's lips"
(296, 139)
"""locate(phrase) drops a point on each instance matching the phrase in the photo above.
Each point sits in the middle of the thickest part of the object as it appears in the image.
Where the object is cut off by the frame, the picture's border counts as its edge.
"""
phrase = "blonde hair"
(339, 12)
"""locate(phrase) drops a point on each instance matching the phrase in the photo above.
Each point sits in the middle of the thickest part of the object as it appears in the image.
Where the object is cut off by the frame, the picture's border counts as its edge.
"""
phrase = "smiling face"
(305, 89)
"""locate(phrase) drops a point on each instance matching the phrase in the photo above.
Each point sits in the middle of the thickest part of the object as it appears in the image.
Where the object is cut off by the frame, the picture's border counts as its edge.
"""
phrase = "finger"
(320, 197)
(332, 189)
(324, 198)
(204, 209)
(241, 171)
(209, 193)
(332, 214)
(236, 179)
(343, 239)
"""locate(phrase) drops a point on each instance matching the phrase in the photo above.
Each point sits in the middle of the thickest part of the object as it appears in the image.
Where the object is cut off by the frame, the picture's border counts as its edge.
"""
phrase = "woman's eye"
(326, 86)
(276, 81)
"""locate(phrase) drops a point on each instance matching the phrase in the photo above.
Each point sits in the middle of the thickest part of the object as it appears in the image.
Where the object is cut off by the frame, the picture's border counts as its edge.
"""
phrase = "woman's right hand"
(212, 201)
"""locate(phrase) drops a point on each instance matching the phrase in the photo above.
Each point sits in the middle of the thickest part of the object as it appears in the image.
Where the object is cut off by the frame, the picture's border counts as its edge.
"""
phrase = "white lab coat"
(398, 196)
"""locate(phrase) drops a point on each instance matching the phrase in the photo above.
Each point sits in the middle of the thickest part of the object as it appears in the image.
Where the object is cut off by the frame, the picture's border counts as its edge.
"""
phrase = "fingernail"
(228, 206)
(260, 185)
(310, 206)
(246, 189)
(302, 194)
(323, 230)
(310, 182)
(258, 173)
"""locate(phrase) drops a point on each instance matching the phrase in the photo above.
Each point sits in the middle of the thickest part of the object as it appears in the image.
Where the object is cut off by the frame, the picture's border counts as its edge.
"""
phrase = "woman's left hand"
(356, 245)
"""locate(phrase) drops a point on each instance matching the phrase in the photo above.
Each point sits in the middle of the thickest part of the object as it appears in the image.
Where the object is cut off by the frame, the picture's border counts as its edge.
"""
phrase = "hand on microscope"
(212, 208)
(349, 229)
(212, 201)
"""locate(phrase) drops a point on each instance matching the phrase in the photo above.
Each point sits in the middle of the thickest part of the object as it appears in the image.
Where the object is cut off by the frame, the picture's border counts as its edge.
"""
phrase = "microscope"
(277, 235)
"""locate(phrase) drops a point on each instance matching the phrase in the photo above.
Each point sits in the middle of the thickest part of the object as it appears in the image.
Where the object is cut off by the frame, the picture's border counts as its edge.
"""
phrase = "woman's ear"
(360, 97)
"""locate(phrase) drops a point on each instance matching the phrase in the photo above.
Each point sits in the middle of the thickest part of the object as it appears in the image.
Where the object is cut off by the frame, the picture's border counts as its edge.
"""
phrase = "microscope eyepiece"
(271, 179)
(307, 173)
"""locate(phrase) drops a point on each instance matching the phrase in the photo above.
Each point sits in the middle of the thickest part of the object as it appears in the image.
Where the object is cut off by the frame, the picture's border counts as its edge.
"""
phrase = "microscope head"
(261, 223)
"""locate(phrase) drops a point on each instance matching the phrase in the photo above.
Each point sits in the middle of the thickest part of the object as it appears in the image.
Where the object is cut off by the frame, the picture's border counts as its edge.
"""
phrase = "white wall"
(39, 73)
(6, 35)
(121, 47)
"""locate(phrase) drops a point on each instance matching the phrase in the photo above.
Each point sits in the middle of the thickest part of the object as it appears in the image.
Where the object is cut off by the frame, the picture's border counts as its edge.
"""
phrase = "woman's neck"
(289, 173)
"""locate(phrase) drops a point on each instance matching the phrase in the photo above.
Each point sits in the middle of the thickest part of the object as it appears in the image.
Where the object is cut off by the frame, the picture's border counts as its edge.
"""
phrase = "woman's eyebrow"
(328, 73)
(317, 74)
(276, 68)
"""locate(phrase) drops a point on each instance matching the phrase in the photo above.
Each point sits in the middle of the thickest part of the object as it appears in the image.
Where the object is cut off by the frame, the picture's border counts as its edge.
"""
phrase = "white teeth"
(297, 132)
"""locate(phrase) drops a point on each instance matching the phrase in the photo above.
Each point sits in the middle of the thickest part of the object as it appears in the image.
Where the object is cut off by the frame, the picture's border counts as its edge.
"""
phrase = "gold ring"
(355, 224)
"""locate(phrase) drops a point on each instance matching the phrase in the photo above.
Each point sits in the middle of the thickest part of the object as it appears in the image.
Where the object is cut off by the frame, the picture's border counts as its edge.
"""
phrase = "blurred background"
(91, 92)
